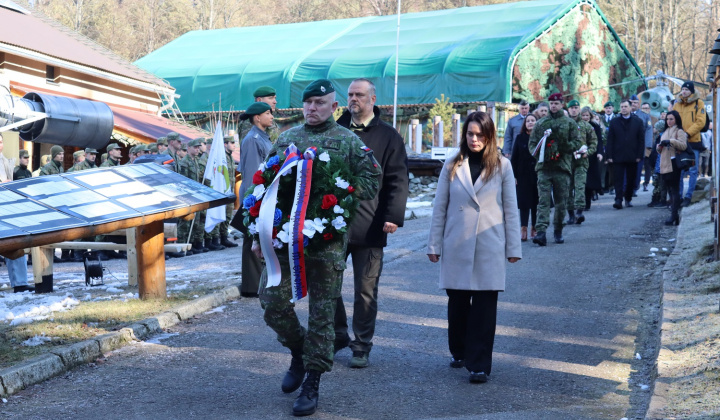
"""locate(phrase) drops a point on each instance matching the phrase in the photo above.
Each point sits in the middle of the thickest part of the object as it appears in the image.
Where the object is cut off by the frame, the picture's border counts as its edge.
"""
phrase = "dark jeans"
(472, 316)
(672, 182)
(525, 213)
(367, 267)
(649, 166)
(624, 171)
(251, 269)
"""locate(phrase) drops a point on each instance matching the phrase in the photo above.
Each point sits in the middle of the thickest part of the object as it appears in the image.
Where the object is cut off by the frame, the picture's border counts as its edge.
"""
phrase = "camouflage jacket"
(339, 143)
(588, 138)
(109, 163)
(52, 168)
(202, 164)
(246, 125)
(560, 145)
(82, 166)
(190, 168)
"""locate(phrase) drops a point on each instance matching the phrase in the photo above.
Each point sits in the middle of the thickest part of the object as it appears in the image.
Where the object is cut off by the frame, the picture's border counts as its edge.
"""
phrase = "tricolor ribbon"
(266, 216)
(541, 146)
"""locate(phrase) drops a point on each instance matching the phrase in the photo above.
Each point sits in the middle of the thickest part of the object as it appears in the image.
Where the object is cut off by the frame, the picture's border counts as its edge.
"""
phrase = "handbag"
(697, 145)
(685, 159)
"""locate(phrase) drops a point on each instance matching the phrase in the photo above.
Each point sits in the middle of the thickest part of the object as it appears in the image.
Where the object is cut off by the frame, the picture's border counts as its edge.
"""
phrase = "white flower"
(284, 234)
(259, 191)
(337, 209)
(324, 156)
(339, 223)
(309, 228)
(252, 228)
(341, 183)
(320, 224)
(262, 167)
(277, 244)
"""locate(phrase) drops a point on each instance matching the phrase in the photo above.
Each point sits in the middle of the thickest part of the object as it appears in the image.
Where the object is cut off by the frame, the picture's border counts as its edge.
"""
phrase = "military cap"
(152, 148)
(264, 91)
(183, 147)
(229, 139)
(103, 156)
(634, 98)
(609, 103)
(132, 150)
(140, 148)
(162, 141)
(78, 154)
(24, 153)
(256, 108)
(90, 150)
(55, 150)
(172, 136)
(200, 139)
(210, 139)
(573, 103)
(320, 87)
(193, 143)
(556, 97)
(113, 146)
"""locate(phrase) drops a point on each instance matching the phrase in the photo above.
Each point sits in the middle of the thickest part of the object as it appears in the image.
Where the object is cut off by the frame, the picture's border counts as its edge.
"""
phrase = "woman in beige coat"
(475, 228)
(673, 138)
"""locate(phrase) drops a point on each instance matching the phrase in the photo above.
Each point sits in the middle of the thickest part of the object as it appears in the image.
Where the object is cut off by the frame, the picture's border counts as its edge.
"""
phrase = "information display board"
(7, 231)
(19, 212)
(72, 199)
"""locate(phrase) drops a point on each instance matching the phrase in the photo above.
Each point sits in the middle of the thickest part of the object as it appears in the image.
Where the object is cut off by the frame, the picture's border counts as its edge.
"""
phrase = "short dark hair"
(625, 100)
(524, 103)
(372, 85)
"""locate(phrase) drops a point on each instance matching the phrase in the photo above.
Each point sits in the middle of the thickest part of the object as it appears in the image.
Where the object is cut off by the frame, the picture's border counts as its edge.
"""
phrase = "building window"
(50, 74)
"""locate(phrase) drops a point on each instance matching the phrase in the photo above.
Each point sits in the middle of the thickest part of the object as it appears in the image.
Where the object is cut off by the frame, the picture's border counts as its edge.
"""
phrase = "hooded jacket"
(389, 203)
(692, 112)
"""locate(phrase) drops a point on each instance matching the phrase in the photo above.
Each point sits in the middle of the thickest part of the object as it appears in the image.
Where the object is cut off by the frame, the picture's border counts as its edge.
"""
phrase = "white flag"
(219, 175)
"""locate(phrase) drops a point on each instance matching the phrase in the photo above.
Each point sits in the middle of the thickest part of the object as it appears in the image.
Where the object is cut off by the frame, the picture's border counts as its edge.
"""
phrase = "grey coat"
(647, 122)
(475, 228)
(253, 151)
(514, 126)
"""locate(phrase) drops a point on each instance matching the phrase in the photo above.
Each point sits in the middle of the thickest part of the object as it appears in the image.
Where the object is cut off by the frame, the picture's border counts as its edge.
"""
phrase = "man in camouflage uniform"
(189, 167)
(262, 94)
(162, 145)
(554, 172)
(55, 166)
(229, 143)
(174, 144)
(212, 238)
(580, 165)
(312, 349)
(88, 163)
(114, 153)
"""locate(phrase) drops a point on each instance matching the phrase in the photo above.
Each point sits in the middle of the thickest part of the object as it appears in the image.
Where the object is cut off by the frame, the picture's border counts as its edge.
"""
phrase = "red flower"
(275, 168)
(255, 210)
(351, 189)
(327, 236)
(258, 178)
(328, 201)
(275, 232)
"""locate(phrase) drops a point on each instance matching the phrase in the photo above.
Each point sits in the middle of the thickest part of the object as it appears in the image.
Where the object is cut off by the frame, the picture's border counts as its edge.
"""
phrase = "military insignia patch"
(322, 89)
(332, 144)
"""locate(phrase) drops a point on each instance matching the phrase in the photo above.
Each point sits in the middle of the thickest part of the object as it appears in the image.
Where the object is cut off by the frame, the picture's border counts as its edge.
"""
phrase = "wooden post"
(132, 256)
(415, 135)
(438, 131)
(482, 108)
(149, 246)
(42, 262)
(456, 129)
(491, 110)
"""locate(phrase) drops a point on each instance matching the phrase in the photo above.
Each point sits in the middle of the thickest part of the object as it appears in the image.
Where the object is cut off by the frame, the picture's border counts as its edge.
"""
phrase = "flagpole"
(397, 54)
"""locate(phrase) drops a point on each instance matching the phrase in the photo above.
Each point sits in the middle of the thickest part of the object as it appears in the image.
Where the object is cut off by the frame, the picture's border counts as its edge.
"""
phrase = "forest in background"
(669, 35)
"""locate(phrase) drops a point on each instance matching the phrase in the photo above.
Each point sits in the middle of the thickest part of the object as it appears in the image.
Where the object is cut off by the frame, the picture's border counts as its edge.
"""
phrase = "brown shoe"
(523, 233)
(533, 232)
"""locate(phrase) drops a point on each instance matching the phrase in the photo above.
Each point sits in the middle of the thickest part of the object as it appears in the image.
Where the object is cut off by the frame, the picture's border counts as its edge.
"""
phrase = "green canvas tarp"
(465, 53)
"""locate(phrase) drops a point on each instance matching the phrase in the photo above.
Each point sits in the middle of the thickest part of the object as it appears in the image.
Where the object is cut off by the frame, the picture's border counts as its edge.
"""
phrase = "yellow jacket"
(692, 113)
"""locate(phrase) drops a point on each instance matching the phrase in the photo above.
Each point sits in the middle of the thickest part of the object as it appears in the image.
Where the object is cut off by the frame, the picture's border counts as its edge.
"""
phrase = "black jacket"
(625, 139)
(389, 204)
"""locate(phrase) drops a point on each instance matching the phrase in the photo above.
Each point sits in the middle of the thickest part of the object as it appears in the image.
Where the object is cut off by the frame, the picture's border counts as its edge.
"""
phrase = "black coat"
(625, 140)
(389, 204)
(593, 175)
(523, 165)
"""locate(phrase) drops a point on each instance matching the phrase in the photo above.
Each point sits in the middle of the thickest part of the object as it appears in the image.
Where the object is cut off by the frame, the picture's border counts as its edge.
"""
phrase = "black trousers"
(472, 316)
(672, 181)
(252, 267)
(525, 213)
(367, 267)
(624, 173)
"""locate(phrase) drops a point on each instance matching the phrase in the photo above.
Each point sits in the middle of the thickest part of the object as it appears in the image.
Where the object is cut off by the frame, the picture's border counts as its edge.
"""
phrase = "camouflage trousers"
(198, 228)
(552, 184)
(576, 195)
(324, 281)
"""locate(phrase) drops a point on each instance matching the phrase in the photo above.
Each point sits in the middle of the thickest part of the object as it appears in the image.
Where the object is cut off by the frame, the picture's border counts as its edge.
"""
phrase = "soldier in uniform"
(114, 155)
(55, 166)
(580, 164)
(152, 149)
(182, 152)
(190, 168)
(555, 169)
(267, 95)
(162, 145)
(174, 144)
(21, 171)
(87, 163)
(212, 238)
(312, 349)
(229, 143)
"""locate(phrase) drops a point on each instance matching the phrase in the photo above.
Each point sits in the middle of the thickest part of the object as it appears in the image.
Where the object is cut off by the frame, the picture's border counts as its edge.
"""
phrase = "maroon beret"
(556, 97)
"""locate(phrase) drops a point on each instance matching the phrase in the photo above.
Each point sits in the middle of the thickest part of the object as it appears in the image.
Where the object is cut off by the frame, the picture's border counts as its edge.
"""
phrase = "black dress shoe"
(558, 237)
(540, 239)
(306, 402)
(295, 374)
(24, 288)
(628, 203)
(478, 377)
(457, 363)
(175, 254)
(618, 204)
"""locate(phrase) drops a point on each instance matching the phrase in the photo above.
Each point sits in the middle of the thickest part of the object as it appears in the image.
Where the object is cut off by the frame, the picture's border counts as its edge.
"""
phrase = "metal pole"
(397, 61)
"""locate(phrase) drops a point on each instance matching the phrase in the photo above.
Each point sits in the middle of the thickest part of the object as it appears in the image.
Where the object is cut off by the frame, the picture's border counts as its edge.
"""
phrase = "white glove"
(583, 150)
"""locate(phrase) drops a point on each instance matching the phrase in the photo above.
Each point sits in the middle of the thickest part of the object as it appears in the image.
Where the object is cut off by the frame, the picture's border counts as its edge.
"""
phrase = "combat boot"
(197, 247)
(580, 217)
(540, 239)
(294, 376)
(571, 218)
(306, 402)
(214, 244)
(558, 237)
(227, 243)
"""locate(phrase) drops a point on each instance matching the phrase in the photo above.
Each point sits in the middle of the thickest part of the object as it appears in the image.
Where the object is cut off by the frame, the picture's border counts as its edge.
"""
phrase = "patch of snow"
(637, 356)
(217, 310)
(671, 240)
(418, 204)
(654, 249)
(652, 254)
(160, 337)
(38, 340)
(644, 387)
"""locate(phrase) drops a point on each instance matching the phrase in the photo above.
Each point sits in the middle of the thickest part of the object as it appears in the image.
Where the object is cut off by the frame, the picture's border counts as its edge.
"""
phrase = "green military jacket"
(588, 138)
(189, 167)
(52, 168)
(246, 125)
(109, 163)
(560, 145)
(231, 165)
(202, 164)
(339, 143)
(82, 166)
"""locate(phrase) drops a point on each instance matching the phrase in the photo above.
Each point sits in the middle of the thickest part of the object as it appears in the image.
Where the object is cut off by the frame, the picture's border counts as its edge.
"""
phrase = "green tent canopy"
(468, 54)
